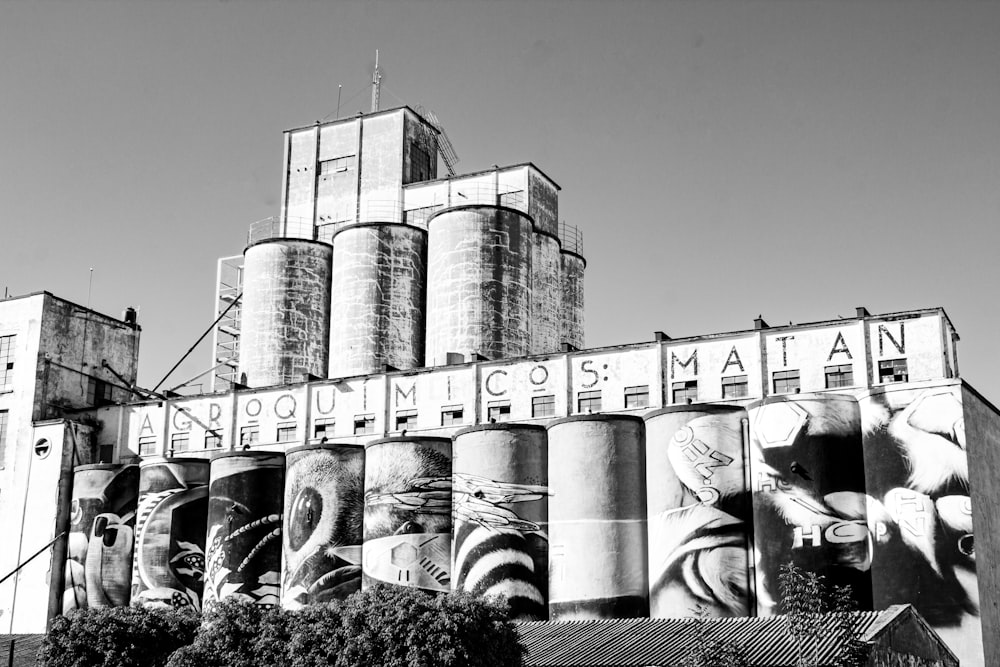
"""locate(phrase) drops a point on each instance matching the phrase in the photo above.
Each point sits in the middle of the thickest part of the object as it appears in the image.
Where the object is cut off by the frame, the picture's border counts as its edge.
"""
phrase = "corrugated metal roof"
(25, 649)
(641, 642)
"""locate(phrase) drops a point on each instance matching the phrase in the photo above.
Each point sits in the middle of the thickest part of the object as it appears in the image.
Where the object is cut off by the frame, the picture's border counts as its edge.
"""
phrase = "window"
(498, 411)
(543, 406)
(98, 392)
(323, 428)
(180, 442)
(4, 416)
(249, 435)
(105, 453)
(735, 386)
(892, 370)
(839, 376)
(786, 382)
(451, 415)
(406, 419)
(420, 164)
(286, 432)
(684, 391)
(213, 440)
(6, 362)
(588, 401)
(637, 397)
(328, 167)
(364, 424)
(147, 445)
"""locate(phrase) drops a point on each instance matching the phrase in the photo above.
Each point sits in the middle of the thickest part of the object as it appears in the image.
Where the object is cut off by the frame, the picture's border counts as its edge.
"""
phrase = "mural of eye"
(967, 545)
(307, 508)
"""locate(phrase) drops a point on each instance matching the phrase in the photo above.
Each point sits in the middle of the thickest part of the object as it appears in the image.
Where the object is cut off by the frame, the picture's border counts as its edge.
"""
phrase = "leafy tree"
(236, 633)
(117, 637)
(711, 652)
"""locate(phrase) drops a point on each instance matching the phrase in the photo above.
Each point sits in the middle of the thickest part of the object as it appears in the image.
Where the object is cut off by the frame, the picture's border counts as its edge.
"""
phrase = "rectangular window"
(683, 392)
(323, 428)
(364, 424)
(498, 411)
(637, 397)
(147, 445)
(249, 435)
(328, 167)
(286, 432)
(98, 392)
(786, 382)
(180, 442)
(406, 419)
(839, 376)
(213, 439)
(420, 164)
(892, 370)
(543, 406)
(588, 401)
(6, 362)
(4, 416)
(452, 415)
(735, 386)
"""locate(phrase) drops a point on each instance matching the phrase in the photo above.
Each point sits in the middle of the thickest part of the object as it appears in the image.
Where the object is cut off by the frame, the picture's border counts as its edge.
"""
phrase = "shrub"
(235, 633)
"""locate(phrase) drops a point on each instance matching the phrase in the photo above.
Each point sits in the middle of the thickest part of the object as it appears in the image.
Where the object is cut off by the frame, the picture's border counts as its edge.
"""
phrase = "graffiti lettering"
(538, 378)
(185, 423)
(675, 361)
(214, 415)
(784, 348)
(584, 367)
(319, 403)
(900, 344)
(841, 532)
(733, 360)
(410, 393)
(489, 388)
(800, 537)
(766, 482)
(252, 408)
(704, 458)
(839, 347)
(288, 401)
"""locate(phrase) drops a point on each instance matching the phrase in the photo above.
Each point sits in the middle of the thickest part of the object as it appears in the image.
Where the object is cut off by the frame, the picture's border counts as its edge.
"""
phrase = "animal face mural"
(407, 521)
(807, 476)
(244, 527)
(920, 511)
(501, 515)
(698, 508)
(324, 506)
(169, 561)
(102, 521)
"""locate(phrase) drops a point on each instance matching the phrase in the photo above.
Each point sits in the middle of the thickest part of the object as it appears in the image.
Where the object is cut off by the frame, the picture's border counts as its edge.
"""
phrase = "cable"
(198, 342)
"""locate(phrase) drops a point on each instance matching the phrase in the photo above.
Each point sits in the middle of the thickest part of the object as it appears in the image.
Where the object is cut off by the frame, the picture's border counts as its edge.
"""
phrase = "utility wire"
(200, 338)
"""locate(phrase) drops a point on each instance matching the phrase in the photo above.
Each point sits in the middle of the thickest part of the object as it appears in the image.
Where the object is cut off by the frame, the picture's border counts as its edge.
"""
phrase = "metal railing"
(277, 228)
(571, 238)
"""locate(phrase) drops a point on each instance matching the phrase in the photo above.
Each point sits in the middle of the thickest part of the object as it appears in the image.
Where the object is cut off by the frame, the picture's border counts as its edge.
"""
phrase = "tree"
(709, 651)
(236, 633)
(117, 637)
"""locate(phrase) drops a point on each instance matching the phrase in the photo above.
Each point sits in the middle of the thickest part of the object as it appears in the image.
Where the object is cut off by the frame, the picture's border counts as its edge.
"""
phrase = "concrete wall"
(573, 267)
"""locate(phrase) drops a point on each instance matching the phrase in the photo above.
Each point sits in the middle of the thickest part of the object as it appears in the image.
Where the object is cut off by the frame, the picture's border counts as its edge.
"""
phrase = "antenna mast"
(376, 84)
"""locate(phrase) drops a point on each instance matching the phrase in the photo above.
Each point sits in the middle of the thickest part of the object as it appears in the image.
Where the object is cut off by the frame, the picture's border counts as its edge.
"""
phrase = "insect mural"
(243, 557)
(698, 506)
(101, 536)
(324, 509)
(407, 516)
(169, 560)
(500, 486)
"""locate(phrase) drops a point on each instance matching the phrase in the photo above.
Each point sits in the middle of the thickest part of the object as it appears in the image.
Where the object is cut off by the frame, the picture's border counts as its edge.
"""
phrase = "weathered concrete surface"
(479, 283)
(377, 306)
(546, 294)
(573, 267)
(286, 312)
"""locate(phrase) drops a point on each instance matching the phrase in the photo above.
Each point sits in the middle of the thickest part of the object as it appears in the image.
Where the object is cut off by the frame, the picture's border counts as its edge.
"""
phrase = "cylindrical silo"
(546, 293)
(98, 569)
(322, 529)
(377, 308)
(597, 518)
(478, 283)
(407, 519)
(698, 505)
(285, 312)
(169, 560)
(243, 554)
(573, 267)
(808, 488)
(501, 542)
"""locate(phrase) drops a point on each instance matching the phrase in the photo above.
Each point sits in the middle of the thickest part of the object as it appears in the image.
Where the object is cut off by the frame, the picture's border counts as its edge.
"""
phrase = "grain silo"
(546, 293)
(479, 283)
(573, 267)
(377, 307)
(285, 328)
(501, 544)
(597, 518)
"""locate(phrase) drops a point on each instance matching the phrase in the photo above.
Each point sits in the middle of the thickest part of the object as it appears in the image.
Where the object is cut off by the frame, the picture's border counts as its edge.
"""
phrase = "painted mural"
(500, 477)
(98, 569)
(407, 517)
(809, 503)
(921, 512)
(324, 509)
(699, 512)
(243, 556)
(169, 563)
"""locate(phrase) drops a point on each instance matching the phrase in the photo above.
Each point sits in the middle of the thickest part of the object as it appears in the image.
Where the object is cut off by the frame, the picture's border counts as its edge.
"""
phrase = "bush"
(237, 634)
(117, 637)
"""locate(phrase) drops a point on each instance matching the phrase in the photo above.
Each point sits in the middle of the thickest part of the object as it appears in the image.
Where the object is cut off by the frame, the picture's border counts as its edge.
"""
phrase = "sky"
(724, 160)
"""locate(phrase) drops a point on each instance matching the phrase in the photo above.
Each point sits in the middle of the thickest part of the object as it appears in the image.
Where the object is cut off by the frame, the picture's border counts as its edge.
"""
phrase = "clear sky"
(724, 159)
